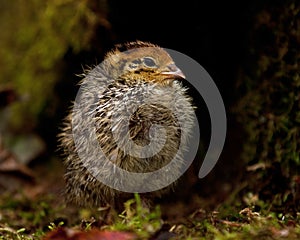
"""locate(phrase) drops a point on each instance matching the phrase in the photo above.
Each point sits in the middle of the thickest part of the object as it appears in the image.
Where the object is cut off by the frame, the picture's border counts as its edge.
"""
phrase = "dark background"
(214, 33)
(248, 47)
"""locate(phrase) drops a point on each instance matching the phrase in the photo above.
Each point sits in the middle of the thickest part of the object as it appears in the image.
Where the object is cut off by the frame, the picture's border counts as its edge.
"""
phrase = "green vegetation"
(138, 219)
(37, 36)
(34, 220)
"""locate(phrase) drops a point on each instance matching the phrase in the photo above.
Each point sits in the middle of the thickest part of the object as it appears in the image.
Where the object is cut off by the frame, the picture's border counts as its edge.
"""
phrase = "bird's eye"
(149, 62)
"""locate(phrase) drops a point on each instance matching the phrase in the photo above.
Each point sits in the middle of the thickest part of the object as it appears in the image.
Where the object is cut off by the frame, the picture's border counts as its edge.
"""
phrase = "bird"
(136, 104)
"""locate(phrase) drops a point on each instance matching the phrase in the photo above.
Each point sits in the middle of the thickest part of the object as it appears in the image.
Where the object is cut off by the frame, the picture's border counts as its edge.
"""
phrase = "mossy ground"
(36, 216)
(21, 219)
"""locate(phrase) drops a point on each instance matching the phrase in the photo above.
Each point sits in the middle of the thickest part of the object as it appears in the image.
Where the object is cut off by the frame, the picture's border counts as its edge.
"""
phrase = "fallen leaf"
(71, 234)
(9, 163)
(27, 147)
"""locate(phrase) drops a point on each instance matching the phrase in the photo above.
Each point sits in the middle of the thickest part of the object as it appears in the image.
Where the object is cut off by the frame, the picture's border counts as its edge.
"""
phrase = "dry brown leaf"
(8, 163)
(71, 234)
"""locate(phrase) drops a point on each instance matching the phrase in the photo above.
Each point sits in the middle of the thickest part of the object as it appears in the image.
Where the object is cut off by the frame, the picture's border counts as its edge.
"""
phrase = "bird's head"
(142, 62)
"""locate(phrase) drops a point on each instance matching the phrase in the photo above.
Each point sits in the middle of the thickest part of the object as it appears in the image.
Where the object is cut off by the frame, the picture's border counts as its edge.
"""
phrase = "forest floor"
(35, 209)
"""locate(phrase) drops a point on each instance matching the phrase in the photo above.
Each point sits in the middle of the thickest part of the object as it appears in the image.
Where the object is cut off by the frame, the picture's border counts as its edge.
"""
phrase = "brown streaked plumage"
(129, 74)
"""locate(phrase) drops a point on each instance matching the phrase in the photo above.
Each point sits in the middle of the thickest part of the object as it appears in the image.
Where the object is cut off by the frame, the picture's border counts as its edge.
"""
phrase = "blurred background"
(250, 48)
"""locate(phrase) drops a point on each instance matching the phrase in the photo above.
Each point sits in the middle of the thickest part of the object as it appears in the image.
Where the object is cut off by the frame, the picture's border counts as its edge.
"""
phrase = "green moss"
(26, 219)
(138, 219)
(36, 36)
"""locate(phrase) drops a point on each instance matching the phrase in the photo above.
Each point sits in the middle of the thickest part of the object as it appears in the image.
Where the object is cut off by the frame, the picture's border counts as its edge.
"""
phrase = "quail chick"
(136, 88)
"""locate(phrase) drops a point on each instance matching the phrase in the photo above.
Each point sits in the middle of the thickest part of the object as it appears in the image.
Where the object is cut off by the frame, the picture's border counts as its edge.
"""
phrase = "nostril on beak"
(173, 72)
(172, 68)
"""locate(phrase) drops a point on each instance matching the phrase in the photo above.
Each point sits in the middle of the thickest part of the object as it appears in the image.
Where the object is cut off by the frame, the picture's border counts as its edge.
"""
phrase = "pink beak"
(174, 72)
